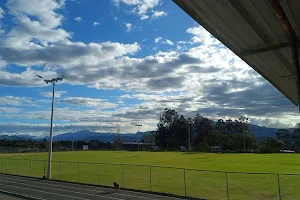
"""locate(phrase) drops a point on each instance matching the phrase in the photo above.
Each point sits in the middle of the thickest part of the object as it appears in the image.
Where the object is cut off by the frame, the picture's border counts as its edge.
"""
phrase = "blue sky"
(126, 60)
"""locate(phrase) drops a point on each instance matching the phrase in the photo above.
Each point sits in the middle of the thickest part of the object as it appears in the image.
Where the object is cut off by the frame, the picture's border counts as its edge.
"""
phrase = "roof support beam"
(295, 56)
(293, 38)
(264, 49)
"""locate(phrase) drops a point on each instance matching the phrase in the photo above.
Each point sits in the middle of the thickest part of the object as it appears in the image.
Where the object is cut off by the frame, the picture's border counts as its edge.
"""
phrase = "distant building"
(216, 149)
(286, 151)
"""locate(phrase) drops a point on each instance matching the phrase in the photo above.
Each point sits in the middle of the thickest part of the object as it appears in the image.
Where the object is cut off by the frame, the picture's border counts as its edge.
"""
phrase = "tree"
(43, 144)
(117, 142)
(203, 147)
(271, 145)
(165, 128)
(285, 136)
(180, 131)
(236, 142)
(201, 128)
(218, 139)
(150, 137)
(296, 137)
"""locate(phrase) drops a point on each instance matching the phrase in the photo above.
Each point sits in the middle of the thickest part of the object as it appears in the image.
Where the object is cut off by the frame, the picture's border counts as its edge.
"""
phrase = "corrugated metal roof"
(247, 25)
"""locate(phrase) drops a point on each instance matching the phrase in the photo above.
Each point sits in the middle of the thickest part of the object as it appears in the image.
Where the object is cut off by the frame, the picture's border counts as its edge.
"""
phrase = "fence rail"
(207, 184)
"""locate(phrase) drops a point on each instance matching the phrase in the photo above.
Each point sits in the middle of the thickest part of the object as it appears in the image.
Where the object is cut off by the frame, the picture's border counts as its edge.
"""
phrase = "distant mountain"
(18, 137)
(104, 137)
(262, 132)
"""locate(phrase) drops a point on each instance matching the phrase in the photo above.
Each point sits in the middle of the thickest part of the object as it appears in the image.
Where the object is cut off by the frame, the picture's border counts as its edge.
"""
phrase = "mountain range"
(104, 137)
(259, 131)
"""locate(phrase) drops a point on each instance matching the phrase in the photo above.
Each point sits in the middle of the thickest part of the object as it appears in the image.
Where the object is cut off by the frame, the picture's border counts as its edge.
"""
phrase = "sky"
(125, 62)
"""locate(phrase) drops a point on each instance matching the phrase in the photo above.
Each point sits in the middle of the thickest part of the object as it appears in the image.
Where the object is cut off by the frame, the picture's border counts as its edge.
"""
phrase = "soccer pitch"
(205, 184)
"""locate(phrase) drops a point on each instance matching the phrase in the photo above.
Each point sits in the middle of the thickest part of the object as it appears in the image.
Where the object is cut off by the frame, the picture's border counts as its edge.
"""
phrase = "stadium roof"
(264, 33)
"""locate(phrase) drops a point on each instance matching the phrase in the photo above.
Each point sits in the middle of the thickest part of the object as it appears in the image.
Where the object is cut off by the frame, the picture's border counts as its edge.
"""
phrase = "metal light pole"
(53, 81)
(138, 125)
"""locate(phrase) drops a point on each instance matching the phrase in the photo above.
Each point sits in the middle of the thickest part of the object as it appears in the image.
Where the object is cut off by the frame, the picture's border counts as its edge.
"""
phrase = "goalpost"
(33, 150)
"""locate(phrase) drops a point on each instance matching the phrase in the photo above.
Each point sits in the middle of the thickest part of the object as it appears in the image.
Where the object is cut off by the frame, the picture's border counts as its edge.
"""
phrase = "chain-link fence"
(179, 181)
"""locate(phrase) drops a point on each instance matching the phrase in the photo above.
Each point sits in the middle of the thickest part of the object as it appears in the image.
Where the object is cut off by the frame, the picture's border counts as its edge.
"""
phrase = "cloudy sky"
(126, 61)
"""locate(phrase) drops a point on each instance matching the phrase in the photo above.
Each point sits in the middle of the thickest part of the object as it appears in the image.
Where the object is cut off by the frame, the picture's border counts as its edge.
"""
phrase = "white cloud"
(68, 53)
(115, 18)
(7, 110)
(96, 23)
(15, 101)
(1, 13)
(141, 7)
(21, 36)
(27, 78)
(157, 14)
(157, 39)
(169, 42)
(89, 102)
(34, 27)
(78, 19)
(128, 27)
(143, 17)
(57, 94)
(45, 12)
(202, 36)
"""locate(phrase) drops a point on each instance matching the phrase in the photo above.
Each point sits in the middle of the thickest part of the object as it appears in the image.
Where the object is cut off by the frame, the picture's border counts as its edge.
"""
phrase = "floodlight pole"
(53, 81)
(51, 136)
(138, 125)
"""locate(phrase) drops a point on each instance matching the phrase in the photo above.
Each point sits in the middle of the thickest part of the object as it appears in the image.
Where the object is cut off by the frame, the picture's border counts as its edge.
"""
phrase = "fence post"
(98, 173)
(60, 169)
(18, 167)
(122, 176)
(78, 172)
(30, 168)
(184, 182)
(150, 178)
(227, 189)
(279, 191)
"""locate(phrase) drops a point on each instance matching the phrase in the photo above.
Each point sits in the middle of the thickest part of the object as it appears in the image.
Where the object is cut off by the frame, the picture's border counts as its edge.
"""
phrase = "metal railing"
(179, 181)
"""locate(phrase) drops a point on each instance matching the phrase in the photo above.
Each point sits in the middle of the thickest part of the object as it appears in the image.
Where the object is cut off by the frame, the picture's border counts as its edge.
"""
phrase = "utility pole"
(53, 81)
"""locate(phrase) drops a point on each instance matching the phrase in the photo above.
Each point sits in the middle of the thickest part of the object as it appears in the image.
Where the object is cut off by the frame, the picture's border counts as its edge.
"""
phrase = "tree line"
(232, 135)
(284, 139)
(174, 130)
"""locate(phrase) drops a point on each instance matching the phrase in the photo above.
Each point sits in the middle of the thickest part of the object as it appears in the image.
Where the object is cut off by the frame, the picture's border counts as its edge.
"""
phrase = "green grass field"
(210, 185)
